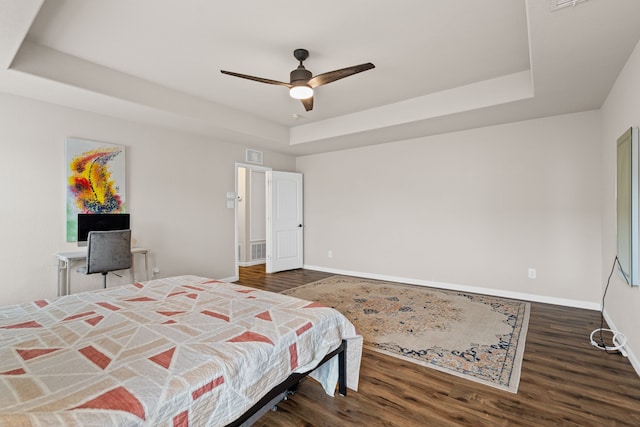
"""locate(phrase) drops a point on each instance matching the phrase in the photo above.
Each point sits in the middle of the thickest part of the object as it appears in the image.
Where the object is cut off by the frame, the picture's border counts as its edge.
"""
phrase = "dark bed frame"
(290, 385)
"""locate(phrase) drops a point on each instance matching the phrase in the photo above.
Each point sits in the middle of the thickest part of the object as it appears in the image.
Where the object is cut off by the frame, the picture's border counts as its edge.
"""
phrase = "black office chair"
(107, 251)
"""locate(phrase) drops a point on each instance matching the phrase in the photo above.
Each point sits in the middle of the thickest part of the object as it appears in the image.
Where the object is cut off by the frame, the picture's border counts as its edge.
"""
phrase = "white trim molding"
(250, 263)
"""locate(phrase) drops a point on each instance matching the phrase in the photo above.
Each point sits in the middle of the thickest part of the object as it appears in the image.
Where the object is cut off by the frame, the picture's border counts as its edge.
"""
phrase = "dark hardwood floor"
(564, 381)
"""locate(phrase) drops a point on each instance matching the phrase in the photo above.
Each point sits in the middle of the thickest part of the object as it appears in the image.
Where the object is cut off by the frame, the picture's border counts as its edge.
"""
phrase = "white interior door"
(284, 221)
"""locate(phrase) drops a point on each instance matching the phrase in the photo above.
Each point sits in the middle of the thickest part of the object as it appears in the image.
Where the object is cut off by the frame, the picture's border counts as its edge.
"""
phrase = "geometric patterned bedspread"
(180, 351)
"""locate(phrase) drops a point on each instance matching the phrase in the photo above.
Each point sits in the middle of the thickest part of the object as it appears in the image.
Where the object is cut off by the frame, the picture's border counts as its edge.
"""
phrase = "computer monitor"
(100, 222)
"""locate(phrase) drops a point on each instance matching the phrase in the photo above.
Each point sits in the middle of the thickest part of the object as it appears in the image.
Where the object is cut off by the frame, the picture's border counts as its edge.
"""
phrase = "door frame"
(235, 209)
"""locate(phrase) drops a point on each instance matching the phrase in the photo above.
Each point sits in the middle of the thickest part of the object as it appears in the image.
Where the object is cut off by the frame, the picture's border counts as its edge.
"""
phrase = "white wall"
(474, 208)
(176, 194)
(620, 111)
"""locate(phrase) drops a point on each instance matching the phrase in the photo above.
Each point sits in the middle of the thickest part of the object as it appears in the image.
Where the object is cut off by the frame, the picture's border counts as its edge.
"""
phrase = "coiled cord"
(619, 339)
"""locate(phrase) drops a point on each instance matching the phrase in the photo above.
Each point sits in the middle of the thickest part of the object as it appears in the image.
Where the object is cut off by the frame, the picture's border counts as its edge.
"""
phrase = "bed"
(180, 351)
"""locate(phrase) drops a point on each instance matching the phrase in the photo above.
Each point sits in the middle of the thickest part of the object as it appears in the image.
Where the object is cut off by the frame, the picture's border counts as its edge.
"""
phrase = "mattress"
(177, 351)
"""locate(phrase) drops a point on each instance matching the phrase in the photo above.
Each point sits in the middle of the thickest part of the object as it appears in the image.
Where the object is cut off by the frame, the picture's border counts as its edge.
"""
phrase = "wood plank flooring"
(564, 382)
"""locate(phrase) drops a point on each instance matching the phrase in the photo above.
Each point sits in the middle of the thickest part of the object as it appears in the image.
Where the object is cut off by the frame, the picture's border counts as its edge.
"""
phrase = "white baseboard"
(464, 288)
(230, 279)
(250, 263)
(629, 353)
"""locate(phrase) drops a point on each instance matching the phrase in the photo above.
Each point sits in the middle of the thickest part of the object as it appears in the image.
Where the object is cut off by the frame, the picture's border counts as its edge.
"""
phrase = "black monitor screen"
(100, 222)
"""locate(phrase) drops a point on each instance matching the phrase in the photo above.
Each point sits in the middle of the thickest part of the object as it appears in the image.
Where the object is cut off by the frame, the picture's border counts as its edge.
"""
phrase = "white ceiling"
(441, 66)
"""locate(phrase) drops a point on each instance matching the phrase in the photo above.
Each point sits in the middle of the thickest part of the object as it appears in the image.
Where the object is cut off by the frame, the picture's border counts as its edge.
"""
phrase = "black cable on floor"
(601, 345)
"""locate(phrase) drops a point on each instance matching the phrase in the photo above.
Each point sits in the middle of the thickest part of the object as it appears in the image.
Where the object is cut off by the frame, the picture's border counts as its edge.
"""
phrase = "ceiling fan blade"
(332, 76)
(256, 79)
(308, 103)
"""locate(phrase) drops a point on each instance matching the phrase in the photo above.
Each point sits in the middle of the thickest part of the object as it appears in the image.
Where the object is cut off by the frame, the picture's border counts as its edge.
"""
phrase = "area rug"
(477, 337)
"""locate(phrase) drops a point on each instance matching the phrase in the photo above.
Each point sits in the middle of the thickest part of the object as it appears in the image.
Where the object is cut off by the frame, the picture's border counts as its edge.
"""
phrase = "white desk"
(66, 258)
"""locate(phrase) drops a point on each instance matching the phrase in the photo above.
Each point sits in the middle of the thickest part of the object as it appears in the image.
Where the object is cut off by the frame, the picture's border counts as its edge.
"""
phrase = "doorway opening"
(250, 218)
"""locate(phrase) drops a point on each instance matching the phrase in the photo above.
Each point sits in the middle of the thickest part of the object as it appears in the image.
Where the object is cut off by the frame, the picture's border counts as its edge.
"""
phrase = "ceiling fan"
(302, 82)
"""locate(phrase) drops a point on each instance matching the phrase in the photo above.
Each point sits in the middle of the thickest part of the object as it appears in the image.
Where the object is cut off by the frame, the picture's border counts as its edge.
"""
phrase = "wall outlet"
(532, 273)
(155, 270)
(330, 254)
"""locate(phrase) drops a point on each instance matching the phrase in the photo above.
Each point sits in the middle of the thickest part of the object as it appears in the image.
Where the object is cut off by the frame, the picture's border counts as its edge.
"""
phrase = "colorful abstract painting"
(95, 180)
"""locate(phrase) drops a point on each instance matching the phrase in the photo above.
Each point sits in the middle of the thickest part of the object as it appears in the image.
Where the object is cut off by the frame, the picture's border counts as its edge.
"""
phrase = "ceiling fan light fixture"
(302, 82)
(301, 92)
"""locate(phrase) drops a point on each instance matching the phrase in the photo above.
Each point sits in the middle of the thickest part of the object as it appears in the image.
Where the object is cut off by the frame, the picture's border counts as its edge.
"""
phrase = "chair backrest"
(108, 251)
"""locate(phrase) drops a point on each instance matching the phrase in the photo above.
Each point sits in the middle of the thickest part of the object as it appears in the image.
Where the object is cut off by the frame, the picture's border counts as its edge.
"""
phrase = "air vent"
(258, 251)
(254, 156)
(561, 4)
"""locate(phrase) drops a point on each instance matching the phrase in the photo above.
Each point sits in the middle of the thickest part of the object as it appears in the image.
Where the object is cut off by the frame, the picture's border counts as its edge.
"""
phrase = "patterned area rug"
(477, 337)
